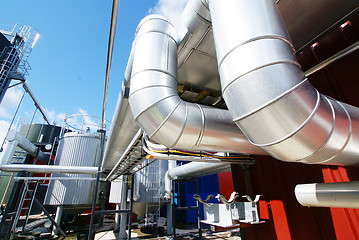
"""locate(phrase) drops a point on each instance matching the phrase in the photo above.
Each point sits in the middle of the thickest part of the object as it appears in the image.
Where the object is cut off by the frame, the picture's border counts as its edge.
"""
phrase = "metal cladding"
(74, 149)
(267, 93)
(158, 109)
(148, 189)
(339, 194)
(123, 128)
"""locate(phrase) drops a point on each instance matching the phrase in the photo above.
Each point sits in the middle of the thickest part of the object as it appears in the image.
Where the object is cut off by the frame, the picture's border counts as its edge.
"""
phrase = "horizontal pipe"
(339, 195)
(192, 170)
(123, 127)
(47, 169)
(332, 59)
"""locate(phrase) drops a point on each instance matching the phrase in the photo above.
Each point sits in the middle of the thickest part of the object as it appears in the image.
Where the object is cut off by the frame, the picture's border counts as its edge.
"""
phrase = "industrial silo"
(74, 192)
(39, 134)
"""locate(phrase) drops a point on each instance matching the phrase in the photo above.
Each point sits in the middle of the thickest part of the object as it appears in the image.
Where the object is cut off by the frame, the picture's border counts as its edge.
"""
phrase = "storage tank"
(74, 194)
(148, 189)
(40, 133)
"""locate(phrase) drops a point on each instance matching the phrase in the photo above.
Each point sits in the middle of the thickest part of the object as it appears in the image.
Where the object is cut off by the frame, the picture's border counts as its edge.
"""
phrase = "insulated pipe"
(8, 152)
(123, 127)
(267, 93)
(47, 169)
(158, 109)
(341, 195)
(192, 170)
(16, 139)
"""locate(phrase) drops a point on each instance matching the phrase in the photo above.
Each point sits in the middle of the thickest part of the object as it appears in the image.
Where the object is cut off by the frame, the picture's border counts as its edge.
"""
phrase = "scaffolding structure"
(14, 58)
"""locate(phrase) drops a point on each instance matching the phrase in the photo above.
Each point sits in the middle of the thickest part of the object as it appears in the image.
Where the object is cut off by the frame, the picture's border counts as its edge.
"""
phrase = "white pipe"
(57, 219)
(48, 169)
(340, 195)
(192, 170)
(123, 204)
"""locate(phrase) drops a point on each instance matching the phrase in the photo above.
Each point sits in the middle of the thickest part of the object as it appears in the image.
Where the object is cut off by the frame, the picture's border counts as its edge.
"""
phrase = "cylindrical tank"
(75, 149)
(148, 189)
(40, 133)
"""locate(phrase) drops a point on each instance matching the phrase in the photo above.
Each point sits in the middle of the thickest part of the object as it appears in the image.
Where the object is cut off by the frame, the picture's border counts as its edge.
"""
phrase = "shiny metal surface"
(130, 158)
(74, 150)
(267, 93)
(192, 170)
(341, 194)
(47, 169)
(165, 117)
(305, 20)
(16, 139)
(122, 131)
(150, 187)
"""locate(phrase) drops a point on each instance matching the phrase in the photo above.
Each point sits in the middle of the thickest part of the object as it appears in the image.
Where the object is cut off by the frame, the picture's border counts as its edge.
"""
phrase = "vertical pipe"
(168, 191)
(173, 210)
(198, 213)
(267, 93)
(131, 207)
(123, 204)
(117, 219)
(103, 137)
(57, 219)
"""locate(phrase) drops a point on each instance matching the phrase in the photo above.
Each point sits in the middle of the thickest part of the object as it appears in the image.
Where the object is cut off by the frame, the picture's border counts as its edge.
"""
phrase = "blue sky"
(69, 59)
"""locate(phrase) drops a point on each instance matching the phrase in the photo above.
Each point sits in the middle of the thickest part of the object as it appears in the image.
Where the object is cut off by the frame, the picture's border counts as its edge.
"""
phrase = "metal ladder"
(153, 191)
(27, 196)
(13, 59)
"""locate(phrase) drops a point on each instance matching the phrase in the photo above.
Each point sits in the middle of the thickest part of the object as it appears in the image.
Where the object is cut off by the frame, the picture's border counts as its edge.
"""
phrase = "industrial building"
(247, 124)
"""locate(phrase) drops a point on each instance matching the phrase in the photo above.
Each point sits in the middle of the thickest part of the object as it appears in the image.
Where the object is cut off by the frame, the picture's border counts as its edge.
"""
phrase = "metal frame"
(174, 208)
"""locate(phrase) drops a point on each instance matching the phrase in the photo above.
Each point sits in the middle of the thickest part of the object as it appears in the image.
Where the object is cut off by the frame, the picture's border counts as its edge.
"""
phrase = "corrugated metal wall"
(275, 180)
(74, 150)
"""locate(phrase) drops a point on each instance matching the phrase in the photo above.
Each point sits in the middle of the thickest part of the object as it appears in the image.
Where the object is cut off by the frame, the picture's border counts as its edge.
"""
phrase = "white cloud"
(4, 125)
(10, 102)
(54, 117)
(172, 9)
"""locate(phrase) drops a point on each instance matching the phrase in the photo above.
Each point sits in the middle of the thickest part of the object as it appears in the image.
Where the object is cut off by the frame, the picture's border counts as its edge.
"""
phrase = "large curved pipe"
(267, 93)
(158, 109)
